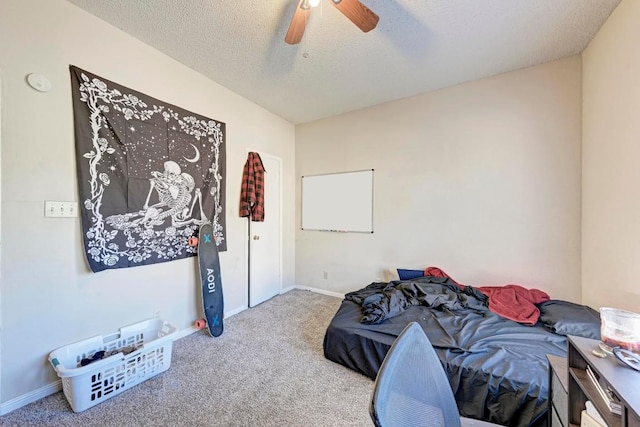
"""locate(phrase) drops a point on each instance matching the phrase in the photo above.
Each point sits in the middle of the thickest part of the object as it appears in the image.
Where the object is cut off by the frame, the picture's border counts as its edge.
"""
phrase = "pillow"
(567, 318)
(404, 274)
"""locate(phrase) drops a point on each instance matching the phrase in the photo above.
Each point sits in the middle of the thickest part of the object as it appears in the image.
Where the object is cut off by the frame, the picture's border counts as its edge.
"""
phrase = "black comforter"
(497, 368)
(382, 301)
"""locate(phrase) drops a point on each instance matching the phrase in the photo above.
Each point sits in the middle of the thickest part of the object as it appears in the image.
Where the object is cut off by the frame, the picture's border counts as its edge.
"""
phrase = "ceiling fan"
(358, 13)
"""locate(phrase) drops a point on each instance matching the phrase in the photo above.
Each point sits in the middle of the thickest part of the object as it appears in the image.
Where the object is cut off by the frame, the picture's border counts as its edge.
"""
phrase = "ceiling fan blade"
(298, 22)
(358, 13)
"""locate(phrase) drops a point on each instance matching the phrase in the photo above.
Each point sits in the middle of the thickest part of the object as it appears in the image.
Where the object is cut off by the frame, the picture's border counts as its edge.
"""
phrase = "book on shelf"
(586, 420)
(605, 392)
(591, 410)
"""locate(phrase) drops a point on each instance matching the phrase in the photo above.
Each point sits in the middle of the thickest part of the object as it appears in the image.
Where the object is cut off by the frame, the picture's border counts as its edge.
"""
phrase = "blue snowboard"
(209, 263)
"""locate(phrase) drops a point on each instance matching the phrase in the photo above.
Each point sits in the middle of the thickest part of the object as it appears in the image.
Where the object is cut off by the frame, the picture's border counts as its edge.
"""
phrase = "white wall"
(481, 179)
(49, 297)
(611, 157)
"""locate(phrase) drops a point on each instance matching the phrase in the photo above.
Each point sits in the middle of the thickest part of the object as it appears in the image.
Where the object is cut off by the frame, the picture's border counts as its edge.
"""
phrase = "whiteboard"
(338, 202)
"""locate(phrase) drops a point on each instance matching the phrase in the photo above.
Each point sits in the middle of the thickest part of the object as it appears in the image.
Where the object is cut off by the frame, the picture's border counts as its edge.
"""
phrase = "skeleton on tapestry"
(174, 191)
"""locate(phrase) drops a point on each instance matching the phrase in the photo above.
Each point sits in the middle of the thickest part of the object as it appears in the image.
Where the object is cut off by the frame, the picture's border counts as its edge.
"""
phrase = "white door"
(265, 238)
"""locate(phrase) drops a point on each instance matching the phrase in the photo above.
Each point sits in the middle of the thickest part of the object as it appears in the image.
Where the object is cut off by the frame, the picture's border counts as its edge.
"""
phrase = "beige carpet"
(267, 369)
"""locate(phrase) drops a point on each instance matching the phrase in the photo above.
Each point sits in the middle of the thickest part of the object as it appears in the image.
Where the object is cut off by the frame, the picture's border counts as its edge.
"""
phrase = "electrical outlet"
(325, 275)
(60, 209)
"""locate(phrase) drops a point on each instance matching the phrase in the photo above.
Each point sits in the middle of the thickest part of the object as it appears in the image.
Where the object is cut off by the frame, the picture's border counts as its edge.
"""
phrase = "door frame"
(247, 242)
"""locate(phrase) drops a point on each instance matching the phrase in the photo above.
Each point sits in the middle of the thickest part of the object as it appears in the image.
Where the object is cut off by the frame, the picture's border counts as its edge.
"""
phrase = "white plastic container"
(86, 386)
(620, 328)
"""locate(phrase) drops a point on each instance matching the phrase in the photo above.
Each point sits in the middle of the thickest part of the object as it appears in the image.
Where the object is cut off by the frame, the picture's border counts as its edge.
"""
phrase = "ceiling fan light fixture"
(354, 10)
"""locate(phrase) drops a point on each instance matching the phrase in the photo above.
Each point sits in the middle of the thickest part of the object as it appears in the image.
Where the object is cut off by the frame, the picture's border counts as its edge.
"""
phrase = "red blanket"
(512, 302)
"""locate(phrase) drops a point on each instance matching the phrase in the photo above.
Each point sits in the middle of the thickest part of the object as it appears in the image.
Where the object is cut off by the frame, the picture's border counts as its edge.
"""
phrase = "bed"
(497, 368)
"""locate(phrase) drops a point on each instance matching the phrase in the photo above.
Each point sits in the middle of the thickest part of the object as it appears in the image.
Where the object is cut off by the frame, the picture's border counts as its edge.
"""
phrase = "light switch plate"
(60, 209)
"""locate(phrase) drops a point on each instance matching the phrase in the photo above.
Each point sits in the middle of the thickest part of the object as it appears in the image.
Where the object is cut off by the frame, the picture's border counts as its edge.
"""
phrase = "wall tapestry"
(149, 174)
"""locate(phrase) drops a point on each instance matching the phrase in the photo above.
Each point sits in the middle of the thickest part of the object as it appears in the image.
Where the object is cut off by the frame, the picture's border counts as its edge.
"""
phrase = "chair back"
(412, 389)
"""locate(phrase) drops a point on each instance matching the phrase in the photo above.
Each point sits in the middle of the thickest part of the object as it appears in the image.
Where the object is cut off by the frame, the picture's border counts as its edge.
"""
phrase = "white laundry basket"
(86, 386)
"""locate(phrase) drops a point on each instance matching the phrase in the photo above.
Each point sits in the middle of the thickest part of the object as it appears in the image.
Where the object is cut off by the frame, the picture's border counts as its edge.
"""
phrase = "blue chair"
(412, 389)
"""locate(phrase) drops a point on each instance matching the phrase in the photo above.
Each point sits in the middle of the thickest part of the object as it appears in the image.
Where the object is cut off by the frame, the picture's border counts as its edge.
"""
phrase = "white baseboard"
(285, 290)
(235, 311)
(188, 331)
(320, 291)
(185, 332)
(30, 397)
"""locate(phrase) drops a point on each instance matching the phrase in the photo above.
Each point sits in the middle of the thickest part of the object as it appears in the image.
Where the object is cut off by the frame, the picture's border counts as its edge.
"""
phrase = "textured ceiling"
(418, 46)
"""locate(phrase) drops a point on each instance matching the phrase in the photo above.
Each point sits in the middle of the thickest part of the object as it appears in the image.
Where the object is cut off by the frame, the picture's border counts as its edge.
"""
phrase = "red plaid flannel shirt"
(252, 191)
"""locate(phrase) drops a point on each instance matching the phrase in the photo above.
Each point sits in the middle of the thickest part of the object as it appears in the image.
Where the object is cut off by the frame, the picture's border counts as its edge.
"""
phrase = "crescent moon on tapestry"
(196, 157)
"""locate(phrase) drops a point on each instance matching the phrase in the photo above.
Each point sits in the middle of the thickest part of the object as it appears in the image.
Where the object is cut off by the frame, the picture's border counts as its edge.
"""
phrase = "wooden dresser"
(570, 386)
(558, 391)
